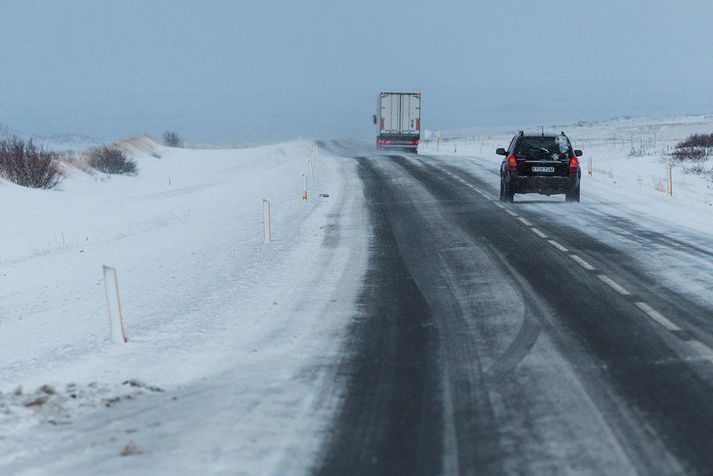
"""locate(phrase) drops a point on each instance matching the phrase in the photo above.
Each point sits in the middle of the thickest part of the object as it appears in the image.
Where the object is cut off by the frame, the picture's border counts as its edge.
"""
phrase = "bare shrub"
(25, 164)
(689, 153)
(697, 168)
(172, 139)
(697, 140)
(697, 147)
(112, 161)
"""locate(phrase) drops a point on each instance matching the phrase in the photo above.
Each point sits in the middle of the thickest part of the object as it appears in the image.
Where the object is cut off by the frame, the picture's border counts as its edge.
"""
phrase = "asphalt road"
(490, 339)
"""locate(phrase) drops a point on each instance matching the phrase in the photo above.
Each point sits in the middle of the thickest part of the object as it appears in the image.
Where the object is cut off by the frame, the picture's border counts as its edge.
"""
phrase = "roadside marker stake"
(305, 196)
(670, 181)
(266, 220)
(113, 302)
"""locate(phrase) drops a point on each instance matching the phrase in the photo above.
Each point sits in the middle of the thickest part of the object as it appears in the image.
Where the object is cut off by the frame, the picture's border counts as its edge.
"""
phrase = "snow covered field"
(233, 342)
(227, 334)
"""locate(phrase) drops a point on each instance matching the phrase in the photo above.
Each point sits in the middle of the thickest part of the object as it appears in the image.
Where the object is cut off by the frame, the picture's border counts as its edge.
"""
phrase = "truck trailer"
(398, 116)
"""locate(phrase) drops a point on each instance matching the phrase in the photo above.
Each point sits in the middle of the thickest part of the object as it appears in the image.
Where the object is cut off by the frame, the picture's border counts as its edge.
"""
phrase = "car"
(540, 163)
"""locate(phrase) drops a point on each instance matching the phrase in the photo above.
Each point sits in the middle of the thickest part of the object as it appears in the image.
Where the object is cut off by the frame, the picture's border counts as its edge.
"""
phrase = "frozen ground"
(228, 335)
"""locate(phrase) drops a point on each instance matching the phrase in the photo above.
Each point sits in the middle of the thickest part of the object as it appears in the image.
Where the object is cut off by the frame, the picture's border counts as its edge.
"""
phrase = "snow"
(229, 334)
(233, 342)
(625, 202)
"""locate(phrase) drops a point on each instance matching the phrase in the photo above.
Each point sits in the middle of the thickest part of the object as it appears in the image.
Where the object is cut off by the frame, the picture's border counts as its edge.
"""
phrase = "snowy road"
(538, 337)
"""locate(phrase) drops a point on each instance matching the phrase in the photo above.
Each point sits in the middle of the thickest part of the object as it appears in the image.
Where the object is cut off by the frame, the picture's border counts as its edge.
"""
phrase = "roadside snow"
(229, 334)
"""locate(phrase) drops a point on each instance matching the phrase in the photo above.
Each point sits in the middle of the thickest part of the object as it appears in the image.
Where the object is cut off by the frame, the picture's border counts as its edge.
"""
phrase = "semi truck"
(398, 117)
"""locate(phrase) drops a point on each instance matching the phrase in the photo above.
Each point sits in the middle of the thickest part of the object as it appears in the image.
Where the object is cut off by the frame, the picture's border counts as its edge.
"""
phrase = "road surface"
(518, 338)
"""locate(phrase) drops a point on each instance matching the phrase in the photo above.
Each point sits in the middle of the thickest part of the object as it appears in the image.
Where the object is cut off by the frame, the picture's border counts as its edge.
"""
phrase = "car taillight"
(573, 165)
(512, 163)
(413, 142)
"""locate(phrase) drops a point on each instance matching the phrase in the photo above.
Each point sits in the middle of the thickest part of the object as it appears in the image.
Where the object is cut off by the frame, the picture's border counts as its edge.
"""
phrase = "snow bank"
(212, 313)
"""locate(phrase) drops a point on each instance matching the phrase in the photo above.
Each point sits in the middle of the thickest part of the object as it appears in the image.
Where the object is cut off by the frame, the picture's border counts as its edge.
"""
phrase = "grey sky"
(260, 70)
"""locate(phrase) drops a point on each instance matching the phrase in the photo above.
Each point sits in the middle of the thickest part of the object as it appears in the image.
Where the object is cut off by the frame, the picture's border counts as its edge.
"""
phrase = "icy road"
(407, 323)
(535, 337)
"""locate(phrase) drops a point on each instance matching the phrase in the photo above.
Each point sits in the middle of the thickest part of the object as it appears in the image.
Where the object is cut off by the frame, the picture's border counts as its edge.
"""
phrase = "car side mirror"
(374, 118)
(501, 151)
(577, 153)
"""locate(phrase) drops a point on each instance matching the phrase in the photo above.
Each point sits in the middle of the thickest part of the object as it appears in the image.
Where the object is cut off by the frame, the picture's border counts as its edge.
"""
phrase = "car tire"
(506, 192)
(573, 196)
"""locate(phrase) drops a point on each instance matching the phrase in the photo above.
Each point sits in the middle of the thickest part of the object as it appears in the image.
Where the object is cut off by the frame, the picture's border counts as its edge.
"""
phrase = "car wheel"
(507, 192)
(572, 196)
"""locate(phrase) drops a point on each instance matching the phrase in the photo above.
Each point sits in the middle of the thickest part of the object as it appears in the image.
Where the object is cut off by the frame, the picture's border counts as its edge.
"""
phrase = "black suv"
(544, 164)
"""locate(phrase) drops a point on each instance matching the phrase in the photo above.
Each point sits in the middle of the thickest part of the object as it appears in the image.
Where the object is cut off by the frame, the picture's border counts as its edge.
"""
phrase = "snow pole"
(670, 181)
(305, 196)
(266, 220)
(589, 167)
(113, 302)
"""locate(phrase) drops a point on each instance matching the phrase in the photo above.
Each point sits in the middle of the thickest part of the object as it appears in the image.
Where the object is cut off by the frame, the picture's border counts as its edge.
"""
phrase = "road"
(511, 338)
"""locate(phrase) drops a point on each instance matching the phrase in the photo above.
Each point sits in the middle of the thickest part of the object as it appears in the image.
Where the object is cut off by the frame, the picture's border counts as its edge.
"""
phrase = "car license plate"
(548, 170)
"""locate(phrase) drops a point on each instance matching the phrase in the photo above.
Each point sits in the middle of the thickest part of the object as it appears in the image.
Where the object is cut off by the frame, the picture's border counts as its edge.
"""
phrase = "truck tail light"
(512, 163)
(573, 165)
(414, 142)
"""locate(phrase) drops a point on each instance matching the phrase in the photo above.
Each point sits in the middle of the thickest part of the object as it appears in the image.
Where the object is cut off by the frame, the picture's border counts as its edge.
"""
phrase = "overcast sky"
(261, 70)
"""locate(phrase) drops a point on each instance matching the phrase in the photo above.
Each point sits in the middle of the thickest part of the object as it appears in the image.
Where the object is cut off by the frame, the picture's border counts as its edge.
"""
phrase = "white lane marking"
(538, 232)
(558, 246)
(499, 205)
(657, 316)
(582, 263)
(524, 221)
(511, 213)
(701, 348)
(613, 284)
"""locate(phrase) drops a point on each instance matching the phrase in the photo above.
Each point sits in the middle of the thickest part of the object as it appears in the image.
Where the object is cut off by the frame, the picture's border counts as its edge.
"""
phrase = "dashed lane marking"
(703, 349)
(511, 213)
(500, 205)
(614, 285)
(524, 221)
(538, 232)
(657, 316)
(558, 246)
(582, 263)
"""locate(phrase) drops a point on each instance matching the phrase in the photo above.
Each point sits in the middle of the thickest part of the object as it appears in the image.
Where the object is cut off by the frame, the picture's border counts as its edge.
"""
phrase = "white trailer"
(398, 116)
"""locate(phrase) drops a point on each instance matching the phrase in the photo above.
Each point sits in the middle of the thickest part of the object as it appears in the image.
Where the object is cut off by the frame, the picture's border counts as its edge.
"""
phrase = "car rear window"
(553, 145)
